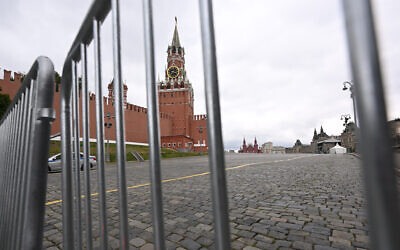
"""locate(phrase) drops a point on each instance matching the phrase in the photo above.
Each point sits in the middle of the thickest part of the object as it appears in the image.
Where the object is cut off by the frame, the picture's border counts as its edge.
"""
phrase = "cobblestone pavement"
(277, 202)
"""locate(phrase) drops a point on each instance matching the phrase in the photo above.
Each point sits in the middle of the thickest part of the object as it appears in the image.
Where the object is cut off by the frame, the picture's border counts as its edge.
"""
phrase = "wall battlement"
(8, 75)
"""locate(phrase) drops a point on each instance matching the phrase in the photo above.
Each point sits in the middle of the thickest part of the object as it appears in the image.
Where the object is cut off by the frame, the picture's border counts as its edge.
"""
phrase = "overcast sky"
(281, 63)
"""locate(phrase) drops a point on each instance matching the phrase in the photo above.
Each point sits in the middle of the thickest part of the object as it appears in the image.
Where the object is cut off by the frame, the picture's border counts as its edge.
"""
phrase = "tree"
(4, 102)
(57, 79)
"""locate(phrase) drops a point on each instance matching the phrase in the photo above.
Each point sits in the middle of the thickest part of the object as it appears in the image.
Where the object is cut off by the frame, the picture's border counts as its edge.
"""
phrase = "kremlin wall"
(179, 126)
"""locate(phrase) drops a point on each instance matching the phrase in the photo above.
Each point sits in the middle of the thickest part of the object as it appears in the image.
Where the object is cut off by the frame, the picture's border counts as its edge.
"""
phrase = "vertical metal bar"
(101, 182)
(119, 126)
(377, 157)
(17, 167)
(13, 177)
(11, 199)
(7, 165)
(6, 180)
(153, 128)
(75, 95)
(86, 146)
(20, 173)
(4, 216)
(25, 159)
(66, 134)
(216, 153)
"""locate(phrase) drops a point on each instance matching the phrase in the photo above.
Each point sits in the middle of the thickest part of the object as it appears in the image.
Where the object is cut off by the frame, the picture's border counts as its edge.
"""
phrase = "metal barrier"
(24, 148)
(90, 31)
(378, 162)
(376, 150)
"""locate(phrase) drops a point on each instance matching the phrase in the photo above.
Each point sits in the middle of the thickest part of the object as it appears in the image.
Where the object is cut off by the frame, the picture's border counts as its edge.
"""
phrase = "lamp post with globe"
(348, 85)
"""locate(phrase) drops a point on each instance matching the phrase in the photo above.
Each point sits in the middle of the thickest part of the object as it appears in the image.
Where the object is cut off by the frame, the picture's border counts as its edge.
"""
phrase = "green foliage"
(57, 79)
(4, 102)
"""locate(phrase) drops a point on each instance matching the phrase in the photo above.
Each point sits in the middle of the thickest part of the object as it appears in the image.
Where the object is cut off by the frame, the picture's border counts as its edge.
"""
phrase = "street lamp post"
(351, 88)
(108, 125)
(346, 119)
(200, 132)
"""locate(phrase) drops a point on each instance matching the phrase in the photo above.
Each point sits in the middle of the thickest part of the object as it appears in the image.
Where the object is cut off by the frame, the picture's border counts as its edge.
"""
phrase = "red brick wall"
(10, 87)
(135, 116)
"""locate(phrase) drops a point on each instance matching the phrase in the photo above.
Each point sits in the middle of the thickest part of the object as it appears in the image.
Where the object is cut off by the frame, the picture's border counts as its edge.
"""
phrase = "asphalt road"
(275, 201)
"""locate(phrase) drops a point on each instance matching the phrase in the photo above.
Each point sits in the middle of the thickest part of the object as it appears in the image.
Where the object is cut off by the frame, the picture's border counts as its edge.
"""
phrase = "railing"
(377, 155)
(376, 151)
(24, 148)
(25, 131)
(90, 31)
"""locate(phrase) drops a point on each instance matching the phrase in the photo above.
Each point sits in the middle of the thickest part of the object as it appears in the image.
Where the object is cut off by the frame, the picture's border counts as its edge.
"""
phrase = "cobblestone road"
(277, 202)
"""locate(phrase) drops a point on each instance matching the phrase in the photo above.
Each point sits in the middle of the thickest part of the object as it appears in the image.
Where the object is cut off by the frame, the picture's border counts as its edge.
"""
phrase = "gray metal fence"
(378, 162)
(25, 133)
(90, 32)
(24, 146)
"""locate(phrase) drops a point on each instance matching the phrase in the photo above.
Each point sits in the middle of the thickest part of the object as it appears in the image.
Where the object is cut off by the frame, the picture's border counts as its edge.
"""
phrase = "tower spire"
(175, 39)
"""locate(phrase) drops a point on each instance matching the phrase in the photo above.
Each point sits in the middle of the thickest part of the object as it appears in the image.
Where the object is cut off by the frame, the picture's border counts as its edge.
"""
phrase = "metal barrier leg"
(377, 157)
(86, 146)
(101, 182)
(153, 128)
(216, 153)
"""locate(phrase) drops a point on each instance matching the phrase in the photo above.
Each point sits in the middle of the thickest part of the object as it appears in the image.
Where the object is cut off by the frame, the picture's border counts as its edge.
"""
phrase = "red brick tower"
(175, 97)
(111, 93)
(175, 91)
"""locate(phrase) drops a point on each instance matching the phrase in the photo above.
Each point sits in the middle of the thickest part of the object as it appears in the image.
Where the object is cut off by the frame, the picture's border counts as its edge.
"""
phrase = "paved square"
(276, 202)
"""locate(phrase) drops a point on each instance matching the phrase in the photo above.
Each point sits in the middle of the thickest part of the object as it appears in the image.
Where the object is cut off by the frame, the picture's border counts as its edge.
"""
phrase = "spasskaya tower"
(176, 98)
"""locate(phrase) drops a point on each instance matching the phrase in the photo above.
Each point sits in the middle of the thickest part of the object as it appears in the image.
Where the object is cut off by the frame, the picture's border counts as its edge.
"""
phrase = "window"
(163, 145)
(169, 145)
(172, 94)
(174, 145)
(179, 144)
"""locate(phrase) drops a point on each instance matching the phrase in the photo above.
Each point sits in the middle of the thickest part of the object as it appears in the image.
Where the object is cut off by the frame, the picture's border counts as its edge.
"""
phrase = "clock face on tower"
(173, 72)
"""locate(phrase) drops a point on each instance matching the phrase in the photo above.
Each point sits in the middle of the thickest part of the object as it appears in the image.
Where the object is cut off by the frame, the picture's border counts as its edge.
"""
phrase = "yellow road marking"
(187, 177)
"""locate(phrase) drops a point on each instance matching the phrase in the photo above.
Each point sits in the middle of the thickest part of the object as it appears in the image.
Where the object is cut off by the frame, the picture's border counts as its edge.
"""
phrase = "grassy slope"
(55, 148)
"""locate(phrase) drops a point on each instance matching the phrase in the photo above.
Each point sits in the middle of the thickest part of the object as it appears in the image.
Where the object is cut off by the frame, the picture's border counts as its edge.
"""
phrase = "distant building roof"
(331, 140)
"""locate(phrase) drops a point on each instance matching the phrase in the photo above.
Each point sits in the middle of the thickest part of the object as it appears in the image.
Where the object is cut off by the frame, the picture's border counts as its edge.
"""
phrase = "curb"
(355, 155)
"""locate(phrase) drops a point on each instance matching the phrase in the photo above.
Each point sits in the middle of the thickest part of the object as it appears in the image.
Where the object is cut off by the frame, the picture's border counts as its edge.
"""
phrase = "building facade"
(348, 137)
(394, 130)
(321, 143)
(250, 148)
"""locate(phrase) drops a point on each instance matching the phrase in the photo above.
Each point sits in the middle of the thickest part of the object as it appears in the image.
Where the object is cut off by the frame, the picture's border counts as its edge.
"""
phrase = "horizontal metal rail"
(376, 151)
(24, 148)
